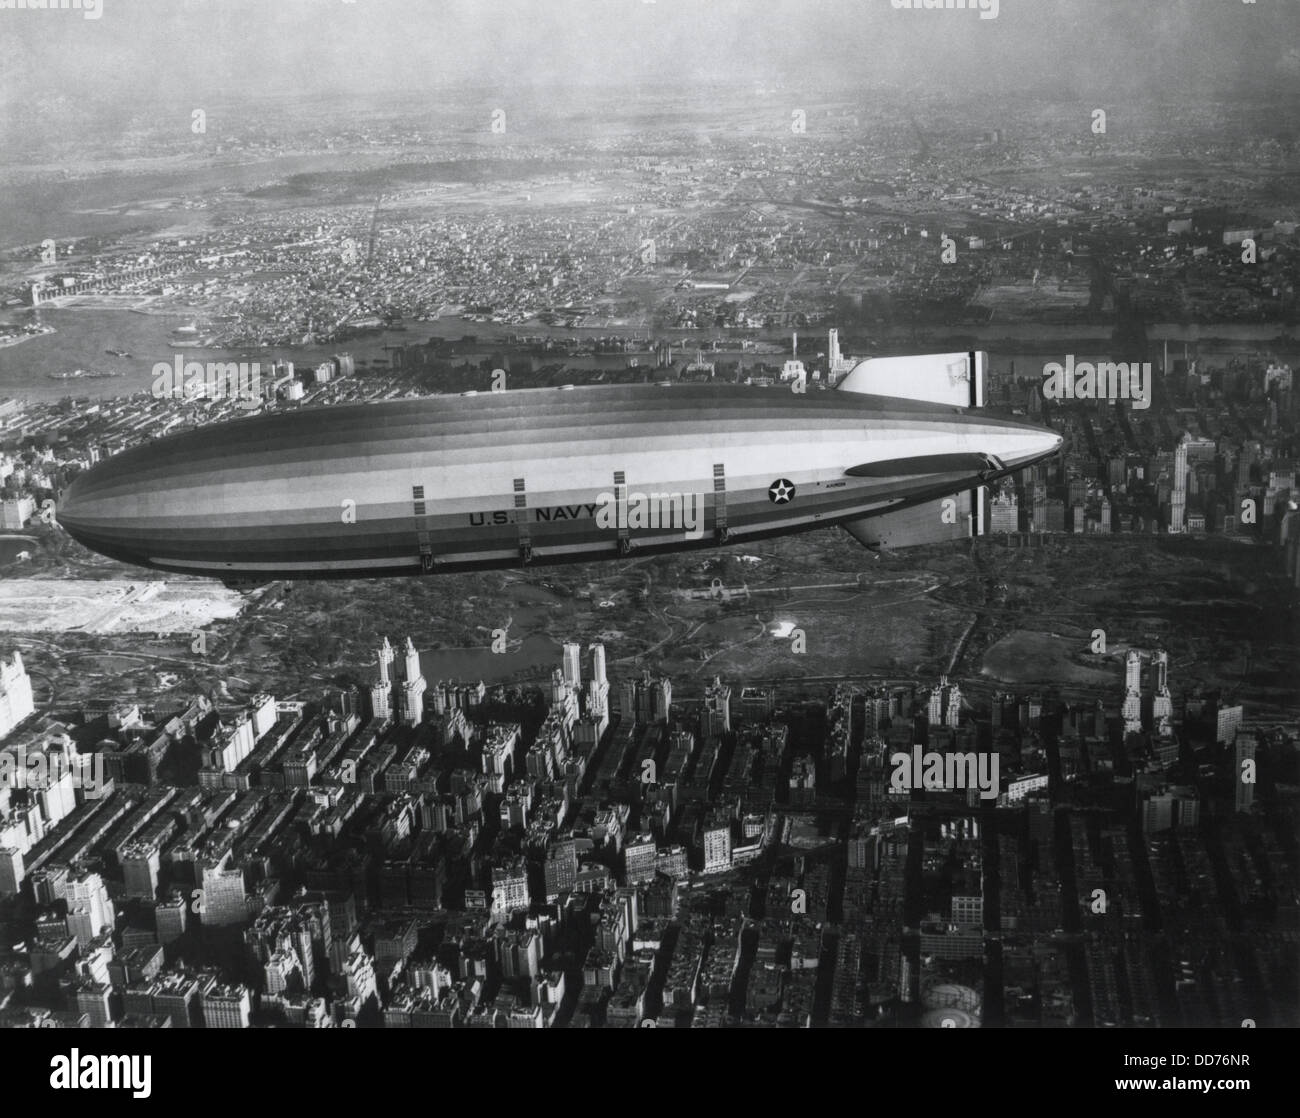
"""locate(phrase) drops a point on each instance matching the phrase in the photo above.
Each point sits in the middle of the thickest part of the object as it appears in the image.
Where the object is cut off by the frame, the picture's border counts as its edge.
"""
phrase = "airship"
(900, 453)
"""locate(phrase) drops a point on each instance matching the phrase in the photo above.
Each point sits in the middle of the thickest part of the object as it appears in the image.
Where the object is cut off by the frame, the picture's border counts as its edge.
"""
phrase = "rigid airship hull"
(455, 483)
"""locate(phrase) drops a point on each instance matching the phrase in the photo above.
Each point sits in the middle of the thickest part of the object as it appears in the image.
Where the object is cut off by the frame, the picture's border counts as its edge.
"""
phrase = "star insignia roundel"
(781, 491)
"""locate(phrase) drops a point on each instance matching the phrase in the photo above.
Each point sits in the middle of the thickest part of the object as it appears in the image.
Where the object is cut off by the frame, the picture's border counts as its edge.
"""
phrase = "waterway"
(535, 655)
(83, 335)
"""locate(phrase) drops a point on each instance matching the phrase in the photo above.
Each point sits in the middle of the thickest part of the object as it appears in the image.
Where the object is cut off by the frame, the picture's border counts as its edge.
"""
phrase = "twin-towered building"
(398, 697)
(1162, 704)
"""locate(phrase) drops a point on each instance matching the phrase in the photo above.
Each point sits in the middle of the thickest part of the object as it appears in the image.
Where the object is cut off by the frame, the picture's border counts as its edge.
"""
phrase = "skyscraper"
(89, 909)
(598, 685)
(141, 863)
(410, 692)
(934, 711)
(952, 712)
(1131, 711)
(660, 699)
(1162, 704)
(573, 664)
(717, 709)
(381, 684)
(11, 871)
(1004, 512)
(223, 897)
(1178, 495)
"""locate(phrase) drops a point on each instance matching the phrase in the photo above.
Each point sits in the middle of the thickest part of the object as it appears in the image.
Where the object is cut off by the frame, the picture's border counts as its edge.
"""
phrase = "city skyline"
(834, 472)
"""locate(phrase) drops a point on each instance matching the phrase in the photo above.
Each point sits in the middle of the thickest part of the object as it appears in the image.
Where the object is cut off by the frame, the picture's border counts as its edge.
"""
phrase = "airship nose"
(75, 510)
(84, 512)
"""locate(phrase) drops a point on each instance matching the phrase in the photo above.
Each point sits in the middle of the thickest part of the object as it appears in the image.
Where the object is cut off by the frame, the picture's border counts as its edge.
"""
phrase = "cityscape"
(1026, 756)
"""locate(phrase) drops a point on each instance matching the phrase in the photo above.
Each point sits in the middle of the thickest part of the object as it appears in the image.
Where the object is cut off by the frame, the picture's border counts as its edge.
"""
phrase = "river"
(82, 335)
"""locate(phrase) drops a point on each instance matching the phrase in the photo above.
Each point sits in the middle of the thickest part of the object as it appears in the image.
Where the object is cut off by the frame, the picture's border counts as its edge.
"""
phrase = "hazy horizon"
(304, 48)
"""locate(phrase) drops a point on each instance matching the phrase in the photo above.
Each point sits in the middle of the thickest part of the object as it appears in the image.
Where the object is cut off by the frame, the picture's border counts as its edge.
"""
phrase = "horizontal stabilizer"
(958, 517)
(927, 464)
(940, 378)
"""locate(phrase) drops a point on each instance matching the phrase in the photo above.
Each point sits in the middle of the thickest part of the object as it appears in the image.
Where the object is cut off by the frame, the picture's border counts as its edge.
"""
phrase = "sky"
(163, 50)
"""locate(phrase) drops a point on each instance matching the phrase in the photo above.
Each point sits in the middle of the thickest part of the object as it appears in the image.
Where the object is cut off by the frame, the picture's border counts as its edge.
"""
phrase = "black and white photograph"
(681, 514)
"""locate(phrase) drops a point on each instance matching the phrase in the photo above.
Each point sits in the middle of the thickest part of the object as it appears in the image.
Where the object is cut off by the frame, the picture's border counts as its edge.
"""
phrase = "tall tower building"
(1162, 703)
(717, 709)
(1132, 707)
(385, 657)
(934, 711)
(381, 685)
(89, 909)
(627, 695)
(12, 871)
(560, 689)
(598, 685)
(660, 696)
(952, 711)
(411, 662)
(1178, 495)
(410, 695)
(573, 664)
(1289, 539)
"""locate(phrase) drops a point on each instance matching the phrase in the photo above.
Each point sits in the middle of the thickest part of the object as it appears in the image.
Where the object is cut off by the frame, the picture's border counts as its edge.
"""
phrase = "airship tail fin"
(940, 378)
(959, 517)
